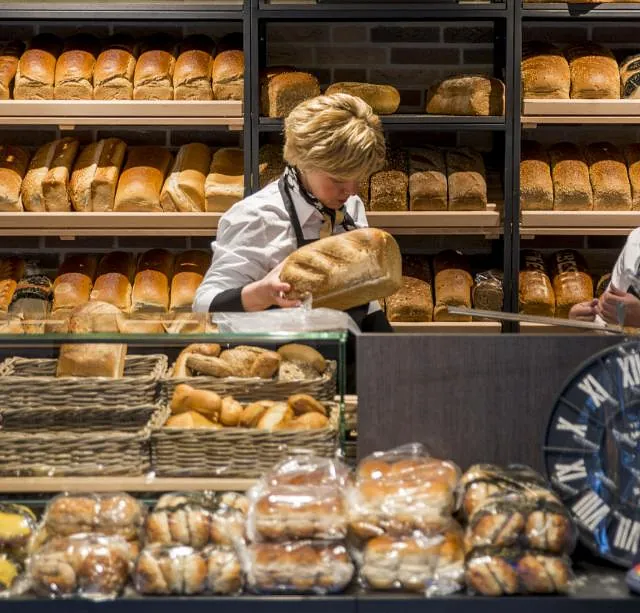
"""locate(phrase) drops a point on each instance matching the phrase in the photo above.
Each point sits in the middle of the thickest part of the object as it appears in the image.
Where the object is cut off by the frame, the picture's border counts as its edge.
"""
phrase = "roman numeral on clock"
(627, 535)
(571, 472)
(629, 366)
(591, 386)
(578, 429)
(591, 510)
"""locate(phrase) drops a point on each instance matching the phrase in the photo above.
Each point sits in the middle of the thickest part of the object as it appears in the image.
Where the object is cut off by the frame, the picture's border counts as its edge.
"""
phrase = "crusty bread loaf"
(74, 281)
(114, 280)
(271, 163)
(142, 179)
(345, 270)
(35, 77)
(545, 72)
(192, 75)
(602, 285)
(74, 68)
(466, 95)
(114, 69)
(412, 302)
(225, 182)
(453, 283)
(571, 182)
(281, 92)
(572, 283)
(594, 72)
(536, 295)
(536, 184)
(227, 75)
(389, 187)
(153, 76)
(95, 175)
(630, 77)
(189, 270)
(11, 271)
(632, 158)
(152, 282)
(467, 185)
(383, 99)
(427, 180)
(609, 177)
(9, 59)
(13, 166)
(184, 188)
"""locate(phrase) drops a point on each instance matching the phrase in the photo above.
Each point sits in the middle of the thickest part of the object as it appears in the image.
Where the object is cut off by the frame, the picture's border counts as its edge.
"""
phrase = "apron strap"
(293, 215)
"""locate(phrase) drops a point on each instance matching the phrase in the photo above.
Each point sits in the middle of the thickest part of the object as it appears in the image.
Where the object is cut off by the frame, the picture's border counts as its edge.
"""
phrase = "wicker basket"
(28, 383)
(79, 453)
(235, 452)
(248, 390)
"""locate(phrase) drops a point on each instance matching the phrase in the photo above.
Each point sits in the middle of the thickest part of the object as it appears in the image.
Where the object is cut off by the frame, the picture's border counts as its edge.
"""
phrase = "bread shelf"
(536, 112)
(578, 223)
(448, 327)
(530, 328)
(566, 10)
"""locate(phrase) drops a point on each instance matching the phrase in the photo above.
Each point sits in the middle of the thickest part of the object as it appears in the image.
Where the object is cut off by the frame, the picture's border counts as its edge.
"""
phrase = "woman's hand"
(584, 311)
(267, 292)
(614, 304)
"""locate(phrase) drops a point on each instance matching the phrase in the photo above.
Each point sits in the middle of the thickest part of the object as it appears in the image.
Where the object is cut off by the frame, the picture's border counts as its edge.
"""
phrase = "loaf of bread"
(74, 282)
(609, 177)
(383, 99)
(594, 72)
(281, 92)
(11, 271)
(184, 188)
(488, 291)
(453, 283)
(467, 185)
(466, 95)
(545, 72)
(271, 163)
(427, 180)
(571, 182)
(536, 184)
(412, 302)
(142, 179)
(571, 281)
(114, 69)
(13, 166)
(36, 73)
(345, 270)
(189, 270)
(225, 182)
(630, 77)
(9, 59)
(227, 75)
(632, 158)
(74, 68)
(536, 295)
(32, 298)
(152, 282)
(95, 175)
(46, 185)
(389, 187)
(153, 76)
(602, 285)
(192, 75)
(114, 279)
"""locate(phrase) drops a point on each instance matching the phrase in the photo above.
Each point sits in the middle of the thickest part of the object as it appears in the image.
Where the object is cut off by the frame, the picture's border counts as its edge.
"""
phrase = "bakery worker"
(331, 144)
(621, 296)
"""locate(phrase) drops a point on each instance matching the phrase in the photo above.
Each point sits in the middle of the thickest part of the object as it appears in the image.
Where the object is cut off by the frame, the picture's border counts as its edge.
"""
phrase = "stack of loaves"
(108, 176)
(297, 526)
(83, 67)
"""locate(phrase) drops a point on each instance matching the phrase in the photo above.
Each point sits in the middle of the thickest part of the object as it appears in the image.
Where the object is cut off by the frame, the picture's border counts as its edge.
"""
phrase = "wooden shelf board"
(578, 223)
(581, 108)
(530, 328)
(448, 327)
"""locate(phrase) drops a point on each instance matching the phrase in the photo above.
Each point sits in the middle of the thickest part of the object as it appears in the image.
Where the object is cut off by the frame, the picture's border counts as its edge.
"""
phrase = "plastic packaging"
(17, 527)
(9, 571)
(300, 567)
(402, 490)
(500, 572)
(185, 571)
(488, 293)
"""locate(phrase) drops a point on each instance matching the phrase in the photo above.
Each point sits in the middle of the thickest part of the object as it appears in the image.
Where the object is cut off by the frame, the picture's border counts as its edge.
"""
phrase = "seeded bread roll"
(536, 296)
(114, 69)
(571, 182)
(192, 75)
(453, 283)
(545, 72)
(609, 177)
(427, 180)
(389, 186)
(281, 92)
(74, 68)
(9, 59)
(594, 72)
(13, 167)
(536, 184)
(227, 76)
(466, 95)
(35, 77)
(466, 180)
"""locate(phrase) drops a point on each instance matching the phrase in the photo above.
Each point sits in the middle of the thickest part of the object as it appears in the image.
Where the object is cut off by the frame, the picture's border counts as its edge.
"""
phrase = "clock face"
(592, 451)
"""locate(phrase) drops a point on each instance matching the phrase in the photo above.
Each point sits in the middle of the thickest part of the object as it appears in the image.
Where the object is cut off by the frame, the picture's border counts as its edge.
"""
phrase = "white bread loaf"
(225, 183)
(184, 188)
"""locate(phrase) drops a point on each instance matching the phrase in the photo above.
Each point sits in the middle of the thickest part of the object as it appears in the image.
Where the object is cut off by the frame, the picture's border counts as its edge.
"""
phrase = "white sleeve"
(626, 271)
(358, 212)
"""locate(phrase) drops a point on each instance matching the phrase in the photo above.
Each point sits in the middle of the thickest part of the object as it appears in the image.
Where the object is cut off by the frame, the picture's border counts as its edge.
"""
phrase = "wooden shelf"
(617, 112)
(448, 327)
(578, 223)
(529, 328)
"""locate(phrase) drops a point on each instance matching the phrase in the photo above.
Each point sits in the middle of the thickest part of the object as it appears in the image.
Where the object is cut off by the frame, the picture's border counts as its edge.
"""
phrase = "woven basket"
(79, 453)
(235, 452)
(249, 390)
(28, 383)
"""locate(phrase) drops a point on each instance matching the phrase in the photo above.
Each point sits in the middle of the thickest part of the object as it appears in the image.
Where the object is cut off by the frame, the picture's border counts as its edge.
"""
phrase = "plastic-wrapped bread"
(466, 177)
(453, 283)
(389, 186)
(572, 283)
(32, 299)
(9, 59)
(536, 296)
(224, 185)
(632, 158)
(412, 302)
(17, 526)
(427, 180)
(192, 74)
(283, 90)
(571, 182)
(545, 72)
(184, 188)
(114, 69)
(609, 177)
(14, 162)
(114, 280)
(466, 95)
(488, 290)
(594, 72)
(536, 184)
(630, 77)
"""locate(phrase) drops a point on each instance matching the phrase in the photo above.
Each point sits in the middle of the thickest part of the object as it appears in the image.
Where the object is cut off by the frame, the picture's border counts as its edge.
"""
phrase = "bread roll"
(536, 184)
(594, 72)
(191, 419)
(412, 302)
(95, 175)
(225, 182)
(271, 163)
(13, 166)
(153, 77)
(545, 72)
(466, 95)
(141, 181)
(632, 158)
(74, 68)
(11, 271)
(630, 77)
(345, 270)
(189, 270)
(281, 92)
(227, 76)
(114, 69)
(466, 180)
(9, 58)
(35, 77)
(609, 177)
(453, 283)
(184, 189)
(192, 75)
(383, 99)
(153, 278)
(536, 295)
(114, 280)
(571, 281)
(74, 282)
(389, 186)
(186, 398)
(427, 180)
(571, 182)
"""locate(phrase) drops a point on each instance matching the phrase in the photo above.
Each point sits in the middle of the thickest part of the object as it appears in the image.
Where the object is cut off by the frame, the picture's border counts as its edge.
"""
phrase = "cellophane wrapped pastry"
(17, 526)
(10, 568)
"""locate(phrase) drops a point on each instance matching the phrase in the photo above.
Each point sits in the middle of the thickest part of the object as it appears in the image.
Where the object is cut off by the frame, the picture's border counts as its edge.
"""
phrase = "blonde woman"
(331, 144)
